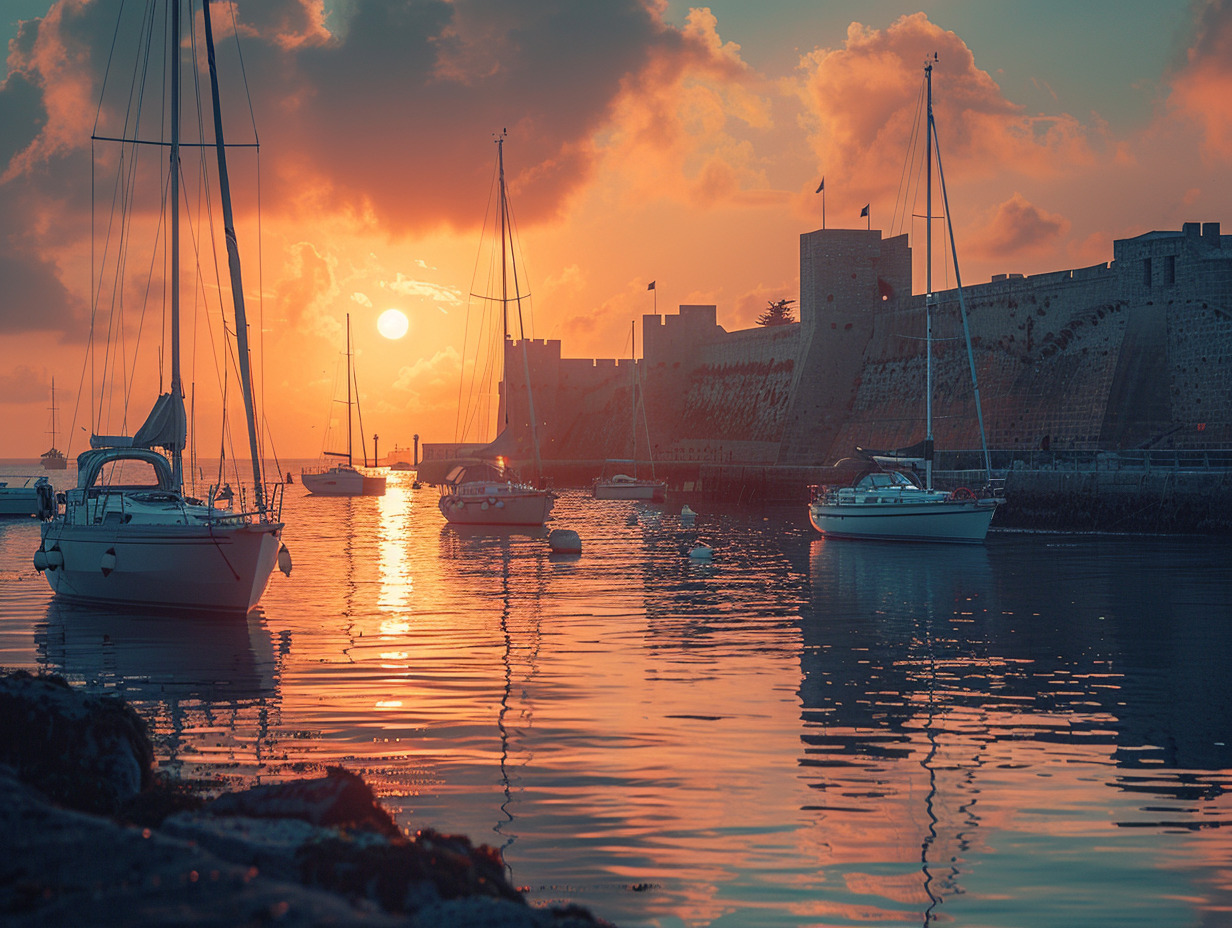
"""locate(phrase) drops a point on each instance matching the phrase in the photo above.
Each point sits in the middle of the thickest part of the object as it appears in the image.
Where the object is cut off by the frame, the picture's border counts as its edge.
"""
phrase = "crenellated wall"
(1132, 353)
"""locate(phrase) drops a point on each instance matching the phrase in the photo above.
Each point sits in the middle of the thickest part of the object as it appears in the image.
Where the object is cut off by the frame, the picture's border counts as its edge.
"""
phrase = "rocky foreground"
(91, 836)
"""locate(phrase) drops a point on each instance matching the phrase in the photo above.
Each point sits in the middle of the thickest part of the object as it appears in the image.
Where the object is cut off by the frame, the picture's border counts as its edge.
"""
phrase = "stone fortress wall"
(1133, 353)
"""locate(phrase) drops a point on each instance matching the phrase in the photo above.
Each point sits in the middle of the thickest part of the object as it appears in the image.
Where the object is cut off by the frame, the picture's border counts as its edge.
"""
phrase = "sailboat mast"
(177, 460)
(507, 236)
(233, 262)
(500, 161)
(633, 385)
(349, 461)
(928, 287)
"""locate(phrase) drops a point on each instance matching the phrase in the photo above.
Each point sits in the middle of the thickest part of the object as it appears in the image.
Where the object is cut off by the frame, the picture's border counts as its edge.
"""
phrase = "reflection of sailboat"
(128, 532)
(206, 681)
(214, 657)
(620, 485)
(480, 491)
(883, 703)
(478, 554)
(888, 504)
(346, 479)
(53, 458)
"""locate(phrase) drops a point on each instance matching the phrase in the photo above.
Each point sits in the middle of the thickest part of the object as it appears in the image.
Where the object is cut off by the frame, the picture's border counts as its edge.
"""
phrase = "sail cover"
(166, 426)
(505, 445)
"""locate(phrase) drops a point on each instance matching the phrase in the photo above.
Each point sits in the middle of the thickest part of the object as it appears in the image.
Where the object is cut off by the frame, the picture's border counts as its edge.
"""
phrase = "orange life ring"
(962, 493)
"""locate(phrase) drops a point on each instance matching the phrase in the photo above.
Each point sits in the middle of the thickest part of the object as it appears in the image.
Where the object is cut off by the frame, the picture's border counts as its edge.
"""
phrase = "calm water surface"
(1037, 732)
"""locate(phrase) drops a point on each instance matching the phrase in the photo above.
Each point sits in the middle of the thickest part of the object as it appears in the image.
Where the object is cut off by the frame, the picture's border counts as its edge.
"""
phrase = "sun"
(392, 323)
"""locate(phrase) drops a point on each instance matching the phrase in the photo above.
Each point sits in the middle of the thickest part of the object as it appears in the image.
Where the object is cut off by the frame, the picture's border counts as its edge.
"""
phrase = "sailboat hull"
(223, 568)
(964, 521)
(496, 504)
(343, 481)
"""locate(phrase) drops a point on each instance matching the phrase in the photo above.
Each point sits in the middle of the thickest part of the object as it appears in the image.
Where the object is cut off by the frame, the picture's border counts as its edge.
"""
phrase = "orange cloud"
(863, 101)
(1202, 90)
(676, 130)
(1018, 227)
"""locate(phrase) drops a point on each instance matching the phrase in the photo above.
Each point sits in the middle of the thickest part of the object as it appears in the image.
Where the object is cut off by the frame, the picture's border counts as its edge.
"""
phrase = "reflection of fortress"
(1114, 356)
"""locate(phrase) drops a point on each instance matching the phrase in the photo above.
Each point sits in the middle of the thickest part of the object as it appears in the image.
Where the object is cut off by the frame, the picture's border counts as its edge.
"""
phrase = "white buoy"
(701, 552)
(687, 515)
(564, 541)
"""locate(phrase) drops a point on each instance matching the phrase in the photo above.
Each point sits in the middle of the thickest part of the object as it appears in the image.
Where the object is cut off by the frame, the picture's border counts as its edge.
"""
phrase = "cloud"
(982, 133)
(24, 384)
(683, 127)
(32, 298)
(361, 299)
(404, 286)
(1202, 89)
(1018, 227)
(307, 288)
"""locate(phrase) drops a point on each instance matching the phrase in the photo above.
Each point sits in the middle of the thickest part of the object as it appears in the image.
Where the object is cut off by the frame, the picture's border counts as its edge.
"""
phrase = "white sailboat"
(481, 491)
(888, 504)
(619, 485)
(53, 458)
(345, 479)
(128, 534)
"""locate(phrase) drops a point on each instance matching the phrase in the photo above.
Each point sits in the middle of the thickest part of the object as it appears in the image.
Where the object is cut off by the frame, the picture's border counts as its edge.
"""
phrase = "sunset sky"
(647, 141)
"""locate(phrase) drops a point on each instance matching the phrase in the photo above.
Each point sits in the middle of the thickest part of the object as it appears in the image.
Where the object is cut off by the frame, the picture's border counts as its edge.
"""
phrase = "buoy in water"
(687, 515)
(701, 552)
(564, 541)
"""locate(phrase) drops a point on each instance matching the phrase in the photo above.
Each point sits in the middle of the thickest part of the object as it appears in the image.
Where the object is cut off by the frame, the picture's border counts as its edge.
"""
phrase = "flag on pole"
(864, 212)
(821, 186)
(651, 285)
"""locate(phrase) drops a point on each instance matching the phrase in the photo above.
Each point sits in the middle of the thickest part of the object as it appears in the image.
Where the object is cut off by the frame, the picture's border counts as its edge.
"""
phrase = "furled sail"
(165, 427)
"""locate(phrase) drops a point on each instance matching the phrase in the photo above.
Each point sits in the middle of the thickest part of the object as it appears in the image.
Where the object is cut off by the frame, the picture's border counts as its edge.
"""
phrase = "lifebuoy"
(962, 493)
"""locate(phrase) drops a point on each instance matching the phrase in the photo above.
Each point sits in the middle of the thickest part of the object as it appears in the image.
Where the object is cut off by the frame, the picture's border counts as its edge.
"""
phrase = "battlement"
(1107, 356)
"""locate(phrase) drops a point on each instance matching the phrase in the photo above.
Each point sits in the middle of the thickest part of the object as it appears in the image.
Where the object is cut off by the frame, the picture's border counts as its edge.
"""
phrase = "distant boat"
(33, 497)
(615, 485)
(345, 479)
(481, 491)
(887, 501)
(128, 534)
(53, 458)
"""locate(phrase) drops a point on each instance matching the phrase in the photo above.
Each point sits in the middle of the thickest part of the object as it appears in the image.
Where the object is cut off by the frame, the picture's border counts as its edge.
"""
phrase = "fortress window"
(1146, 272)
(1169, 270)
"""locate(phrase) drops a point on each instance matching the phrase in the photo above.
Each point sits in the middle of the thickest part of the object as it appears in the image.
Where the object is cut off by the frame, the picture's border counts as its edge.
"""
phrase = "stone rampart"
(1136, 352)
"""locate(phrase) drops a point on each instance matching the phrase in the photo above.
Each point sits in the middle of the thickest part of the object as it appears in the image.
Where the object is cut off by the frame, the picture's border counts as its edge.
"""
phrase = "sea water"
(1032, 732)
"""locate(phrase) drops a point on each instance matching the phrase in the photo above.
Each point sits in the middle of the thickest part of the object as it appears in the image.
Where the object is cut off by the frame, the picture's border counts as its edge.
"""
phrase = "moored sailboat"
(619, 485)
(888, 501)
(345, 478)
(53, 458)
(128, 532)
(482, 490)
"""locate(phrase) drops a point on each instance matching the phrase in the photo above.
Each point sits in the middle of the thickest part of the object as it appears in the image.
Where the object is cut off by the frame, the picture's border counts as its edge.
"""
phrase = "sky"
(646, 140)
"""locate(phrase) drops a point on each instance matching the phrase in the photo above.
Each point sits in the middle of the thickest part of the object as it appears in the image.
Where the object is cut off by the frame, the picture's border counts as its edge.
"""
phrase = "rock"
(90, 753)
(316, 852)
(340, 799)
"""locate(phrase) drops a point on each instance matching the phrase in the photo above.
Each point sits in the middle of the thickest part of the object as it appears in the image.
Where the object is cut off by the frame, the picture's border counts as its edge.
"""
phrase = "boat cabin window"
(884, 480)
(127, 473)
